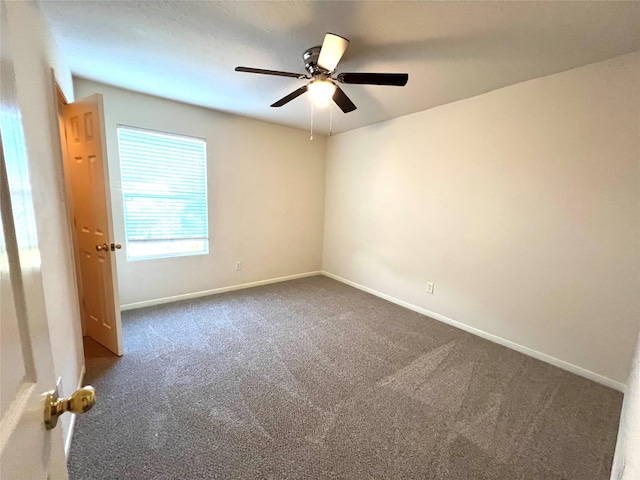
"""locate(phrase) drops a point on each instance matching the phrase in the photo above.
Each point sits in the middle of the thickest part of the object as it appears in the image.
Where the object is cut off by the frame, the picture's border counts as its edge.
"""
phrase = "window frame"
(206, 240)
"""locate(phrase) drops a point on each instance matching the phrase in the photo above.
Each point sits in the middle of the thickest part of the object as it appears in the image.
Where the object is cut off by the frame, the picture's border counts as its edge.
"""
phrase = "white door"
(27, 449)
(87, 171)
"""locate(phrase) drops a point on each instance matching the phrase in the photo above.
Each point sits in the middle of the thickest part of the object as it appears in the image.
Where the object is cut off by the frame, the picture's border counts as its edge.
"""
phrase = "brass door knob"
(102, 248)
(81, 401)
(114, 246)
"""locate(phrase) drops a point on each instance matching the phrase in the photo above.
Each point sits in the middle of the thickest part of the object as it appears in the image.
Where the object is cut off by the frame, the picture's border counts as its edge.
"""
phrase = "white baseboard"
(596, 377)
(72, 423)
(215, 291)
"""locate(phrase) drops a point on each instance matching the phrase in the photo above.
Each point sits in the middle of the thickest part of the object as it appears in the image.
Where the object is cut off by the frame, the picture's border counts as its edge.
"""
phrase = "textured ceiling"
(187, 50)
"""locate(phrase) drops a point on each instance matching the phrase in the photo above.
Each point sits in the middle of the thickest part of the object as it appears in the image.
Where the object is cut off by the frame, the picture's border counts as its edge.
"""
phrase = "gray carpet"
(315, 379)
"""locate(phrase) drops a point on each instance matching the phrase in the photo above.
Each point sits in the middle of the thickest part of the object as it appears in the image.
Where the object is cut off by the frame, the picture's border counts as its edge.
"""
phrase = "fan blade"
(291, 96)
(333, 48)
(271, 72)
(395, 79)
(343, 101)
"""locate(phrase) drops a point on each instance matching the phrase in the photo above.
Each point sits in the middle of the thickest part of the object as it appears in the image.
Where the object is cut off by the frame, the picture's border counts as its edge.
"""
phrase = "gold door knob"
(102, 248)
(81, 401)
(114, 246)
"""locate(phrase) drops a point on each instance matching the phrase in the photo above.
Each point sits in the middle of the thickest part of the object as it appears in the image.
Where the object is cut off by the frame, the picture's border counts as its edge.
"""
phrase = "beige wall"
(521, 205)
(265, 190)
(33, 56)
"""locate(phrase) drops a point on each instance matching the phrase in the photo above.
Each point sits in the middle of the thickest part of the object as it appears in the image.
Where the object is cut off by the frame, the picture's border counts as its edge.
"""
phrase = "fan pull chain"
(330, 118)
(311, 137)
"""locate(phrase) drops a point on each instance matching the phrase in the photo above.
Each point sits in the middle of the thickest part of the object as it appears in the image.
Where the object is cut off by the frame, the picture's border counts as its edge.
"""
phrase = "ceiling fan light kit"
(321, 63)
(321, 92)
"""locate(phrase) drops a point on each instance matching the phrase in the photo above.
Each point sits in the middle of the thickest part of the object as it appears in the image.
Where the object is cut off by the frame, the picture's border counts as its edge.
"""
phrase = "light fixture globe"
(321, 92)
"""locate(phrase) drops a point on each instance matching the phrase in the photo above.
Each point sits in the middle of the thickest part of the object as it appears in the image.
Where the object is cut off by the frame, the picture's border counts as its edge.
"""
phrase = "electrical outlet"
(238, 266)
(430, 287)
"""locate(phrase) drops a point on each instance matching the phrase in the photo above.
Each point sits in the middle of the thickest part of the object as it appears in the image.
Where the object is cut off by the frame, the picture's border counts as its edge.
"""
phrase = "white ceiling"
(187, 50)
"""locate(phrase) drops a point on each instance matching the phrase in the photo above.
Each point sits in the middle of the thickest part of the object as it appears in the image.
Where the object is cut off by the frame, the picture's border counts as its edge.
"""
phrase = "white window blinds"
(164, 185)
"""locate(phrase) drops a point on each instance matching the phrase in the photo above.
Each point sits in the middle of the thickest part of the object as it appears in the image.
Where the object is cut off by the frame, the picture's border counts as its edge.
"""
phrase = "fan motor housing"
(310, 58)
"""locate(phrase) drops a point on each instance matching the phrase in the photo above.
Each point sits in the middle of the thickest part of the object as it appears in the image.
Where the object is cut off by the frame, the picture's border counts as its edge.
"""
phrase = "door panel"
(27, 449)
(12, 360)
(87, 171)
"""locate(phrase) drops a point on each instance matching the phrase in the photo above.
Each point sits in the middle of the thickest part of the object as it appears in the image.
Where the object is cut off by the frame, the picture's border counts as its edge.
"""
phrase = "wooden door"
(27, 449)
(86, 169)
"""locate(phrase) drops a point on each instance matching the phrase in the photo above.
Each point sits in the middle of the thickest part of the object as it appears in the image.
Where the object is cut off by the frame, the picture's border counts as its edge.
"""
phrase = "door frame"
(61, 100)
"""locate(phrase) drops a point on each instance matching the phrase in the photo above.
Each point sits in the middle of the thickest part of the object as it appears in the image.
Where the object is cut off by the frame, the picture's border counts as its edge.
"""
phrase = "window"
(164, 185)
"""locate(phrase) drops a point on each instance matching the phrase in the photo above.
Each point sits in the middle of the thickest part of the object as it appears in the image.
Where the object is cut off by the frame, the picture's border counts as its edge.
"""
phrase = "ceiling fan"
(321, 63)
